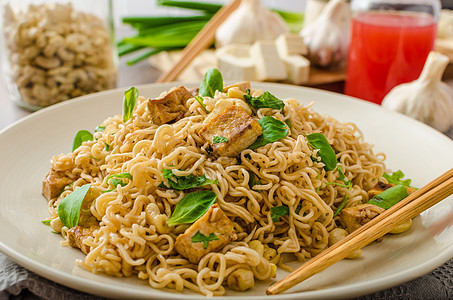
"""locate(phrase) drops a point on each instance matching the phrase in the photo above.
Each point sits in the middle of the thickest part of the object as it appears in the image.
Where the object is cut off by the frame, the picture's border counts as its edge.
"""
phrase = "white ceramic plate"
(27, 146)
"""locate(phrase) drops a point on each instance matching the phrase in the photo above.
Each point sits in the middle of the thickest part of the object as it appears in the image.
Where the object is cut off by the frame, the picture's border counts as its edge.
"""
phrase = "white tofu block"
(291, 44)
(297, 68)
(267, 62)
(235, 63)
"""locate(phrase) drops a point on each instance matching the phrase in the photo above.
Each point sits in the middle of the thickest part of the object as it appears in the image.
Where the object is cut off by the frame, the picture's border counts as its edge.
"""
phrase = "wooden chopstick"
(408, 208)
(200, 42)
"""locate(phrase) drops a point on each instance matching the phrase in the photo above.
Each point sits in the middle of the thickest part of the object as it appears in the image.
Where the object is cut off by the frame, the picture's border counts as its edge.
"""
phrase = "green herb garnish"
(212, 81)
(389, 197)
(265, 100)
(397, 178)
(253, 180)
(192, 207)
(80, 137)
(273, 130)
(184, 182)
(200, 100)
(201, 238)
(328, 157)
(99, 128)
(69, 207)
(279, 211)
(219, 139)
(46, 222)
(117, 180)
(107, 146)
(129, 102)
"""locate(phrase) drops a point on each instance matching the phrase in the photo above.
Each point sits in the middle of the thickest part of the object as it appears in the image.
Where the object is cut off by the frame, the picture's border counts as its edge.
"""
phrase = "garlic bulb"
(250, 22)
(327, 37)
(426, 99)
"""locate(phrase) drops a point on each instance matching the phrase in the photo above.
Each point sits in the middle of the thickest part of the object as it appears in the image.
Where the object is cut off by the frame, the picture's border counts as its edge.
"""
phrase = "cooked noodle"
(133, 238)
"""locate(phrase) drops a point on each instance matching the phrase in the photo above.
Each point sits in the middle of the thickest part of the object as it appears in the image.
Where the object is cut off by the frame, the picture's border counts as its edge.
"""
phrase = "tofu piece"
(235, 63)
(382, 186)
(266, 59)
(169, 108)
(243, 86)
(237, 126)
(297, 68)
(77, 234)
(54, 183)
(356, 216)
(291, 44)
(213, 221)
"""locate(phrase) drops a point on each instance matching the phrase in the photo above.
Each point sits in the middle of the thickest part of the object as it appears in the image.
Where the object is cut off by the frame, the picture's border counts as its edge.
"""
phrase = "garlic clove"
(327, 37)
(426, 99)
(250, 22)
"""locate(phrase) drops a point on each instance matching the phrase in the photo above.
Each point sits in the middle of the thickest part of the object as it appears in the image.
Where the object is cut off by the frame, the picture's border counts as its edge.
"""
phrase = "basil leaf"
(273, 130)
(326, 152)
(212, 81)
(397, 178)
(192, 207)
(107, 146)
(288, 122)
(201, 238)
(69, 207)
(219, 139)
(279, 211)
(200, 100)
(265, 100)
(80, 137)
(129, 102)
(185, 182)
(389, 197)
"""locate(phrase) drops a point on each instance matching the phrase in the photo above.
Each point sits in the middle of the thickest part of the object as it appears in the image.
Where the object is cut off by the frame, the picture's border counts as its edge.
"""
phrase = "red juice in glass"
(387, 49)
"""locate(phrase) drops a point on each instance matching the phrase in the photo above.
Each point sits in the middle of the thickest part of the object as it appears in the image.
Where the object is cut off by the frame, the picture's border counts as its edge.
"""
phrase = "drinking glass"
(390, 41)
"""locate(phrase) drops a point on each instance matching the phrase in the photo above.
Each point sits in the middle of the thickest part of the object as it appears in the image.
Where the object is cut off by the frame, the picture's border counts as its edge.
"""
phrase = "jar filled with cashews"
(56, 50)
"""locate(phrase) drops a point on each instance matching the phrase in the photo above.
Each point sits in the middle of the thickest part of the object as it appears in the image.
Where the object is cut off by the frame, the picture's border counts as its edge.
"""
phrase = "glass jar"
(56, 50)
(390, 41)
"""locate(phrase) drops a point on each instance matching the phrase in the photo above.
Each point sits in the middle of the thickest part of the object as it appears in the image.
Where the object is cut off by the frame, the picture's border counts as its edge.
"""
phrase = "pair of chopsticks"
(200, 42)
(408, 208)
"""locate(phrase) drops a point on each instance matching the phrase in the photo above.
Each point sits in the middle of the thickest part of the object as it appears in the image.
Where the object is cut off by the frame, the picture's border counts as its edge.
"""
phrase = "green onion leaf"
(80, 137)
(219, 139)
(69, 207)
(389, 197)
(192, 207)
(99, 128)
(265, 100)
(129, 102)
(46, 222)
(273, 130)
(185, 182)
(200, 100)
(212, 81)
(201, 238)
(279, 211)
(328, 157)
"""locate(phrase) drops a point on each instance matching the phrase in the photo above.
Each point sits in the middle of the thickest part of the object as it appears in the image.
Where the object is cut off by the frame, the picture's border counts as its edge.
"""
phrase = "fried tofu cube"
(356, 216)
(54, 183)
(213, 222)
(382, 186)
(77, 234)
(171, 107)
(235, 128)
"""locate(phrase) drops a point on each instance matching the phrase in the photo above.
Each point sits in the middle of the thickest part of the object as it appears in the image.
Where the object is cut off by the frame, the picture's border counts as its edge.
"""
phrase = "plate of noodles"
(172, 195)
